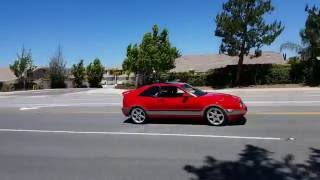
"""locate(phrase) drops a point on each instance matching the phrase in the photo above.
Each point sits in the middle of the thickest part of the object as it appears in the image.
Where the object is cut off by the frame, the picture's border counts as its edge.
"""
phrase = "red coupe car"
(181, 100)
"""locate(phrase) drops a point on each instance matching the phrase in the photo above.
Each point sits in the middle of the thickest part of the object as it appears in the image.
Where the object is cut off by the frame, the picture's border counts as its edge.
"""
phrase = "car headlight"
(241, 103)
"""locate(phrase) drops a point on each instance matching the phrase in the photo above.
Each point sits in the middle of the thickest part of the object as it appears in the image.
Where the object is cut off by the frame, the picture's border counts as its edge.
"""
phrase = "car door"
(172, 100)
(148, 98)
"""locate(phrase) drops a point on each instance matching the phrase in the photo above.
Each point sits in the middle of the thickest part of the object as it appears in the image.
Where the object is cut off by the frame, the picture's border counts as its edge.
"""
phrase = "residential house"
(7, 79)
(115, 76)
(40, 78)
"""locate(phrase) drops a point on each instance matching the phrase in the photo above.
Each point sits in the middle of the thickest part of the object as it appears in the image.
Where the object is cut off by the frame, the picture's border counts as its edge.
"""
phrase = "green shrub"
(183, 76)
(221, 77)
(297, 74)
(175, 76)
(307, 72)
(193, 78)
(252, 74)
(279, 74)
(312, 72)
(125, 86)
(197, 79)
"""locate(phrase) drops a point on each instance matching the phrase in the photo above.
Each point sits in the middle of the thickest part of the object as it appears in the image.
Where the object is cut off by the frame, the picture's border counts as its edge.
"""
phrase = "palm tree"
(291, 46)
(303, 51)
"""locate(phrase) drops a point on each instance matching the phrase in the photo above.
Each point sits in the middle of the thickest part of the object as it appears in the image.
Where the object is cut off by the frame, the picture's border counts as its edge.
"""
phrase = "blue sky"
(103, 28)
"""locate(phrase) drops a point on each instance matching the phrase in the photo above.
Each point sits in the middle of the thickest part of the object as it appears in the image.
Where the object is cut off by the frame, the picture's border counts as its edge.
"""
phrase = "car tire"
(215, 116)
(138, 115)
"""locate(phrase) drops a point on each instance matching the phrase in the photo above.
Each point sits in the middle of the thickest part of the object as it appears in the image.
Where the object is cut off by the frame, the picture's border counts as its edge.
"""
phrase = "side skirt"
(175, 113)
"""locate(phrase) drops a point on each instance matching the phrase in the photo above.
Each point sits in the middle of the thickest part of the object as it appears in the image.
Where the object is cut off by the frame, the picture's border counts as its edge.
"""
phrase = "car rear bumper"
(125, 111)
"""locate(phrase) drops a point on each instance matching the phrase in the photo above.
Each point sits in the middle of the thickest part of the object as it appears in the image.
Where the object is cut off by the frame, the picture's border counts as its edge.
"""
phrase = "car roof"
(169, 83)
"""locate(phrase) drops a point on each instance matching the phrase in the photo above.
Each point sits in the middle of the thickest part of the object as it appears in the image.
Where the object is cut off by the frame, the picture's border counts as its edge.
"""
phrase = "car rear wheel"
(138, 115)
(215, 116)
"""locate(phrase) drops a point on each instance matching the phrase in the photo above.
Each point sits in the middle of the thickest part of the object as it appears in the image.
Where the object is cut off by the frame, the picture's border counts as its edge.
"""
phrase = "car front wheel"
(138, 115)
(215, 116)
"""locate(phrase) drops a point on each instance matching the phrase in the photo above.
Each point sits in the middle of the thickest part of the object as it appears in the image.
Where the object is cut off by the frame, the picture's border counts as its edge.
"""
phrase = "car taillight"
(126, 92)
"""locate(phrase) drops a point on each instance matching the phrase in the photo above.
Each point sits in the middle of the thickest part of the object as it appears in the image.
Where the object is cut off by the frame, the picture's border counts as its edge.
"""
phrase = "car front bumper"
(233, 112)
(236, 114)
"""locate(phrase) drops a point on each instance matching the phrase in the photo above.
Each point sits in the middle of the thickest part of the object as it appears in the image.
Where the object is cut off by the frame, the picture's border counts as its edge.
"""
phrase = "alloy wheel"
(215, 116)
(138, 116)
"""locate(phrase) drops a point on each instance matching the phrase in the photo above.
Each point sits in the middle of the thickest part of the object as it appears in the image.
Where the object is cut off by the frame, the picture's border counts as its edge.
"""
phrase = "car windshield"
(192, 90)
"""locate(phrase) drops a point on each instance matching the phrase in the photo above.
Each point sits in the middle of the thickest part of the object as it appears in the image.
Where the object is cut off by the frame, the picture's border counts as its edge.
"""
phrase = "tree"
(302, 50)
(130, 64)
(57, 70)
(310, 35)
(297, 48)
(95, 73)
(242, 27)
(23, 67)
(155, 55)
(79, 73)
(309, 50)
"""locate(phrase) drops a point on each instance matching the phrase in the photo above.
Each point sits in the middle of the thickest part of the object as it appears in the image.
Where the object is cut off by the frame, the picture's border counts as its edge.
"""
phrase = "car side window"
(151, 92)
(170, 92)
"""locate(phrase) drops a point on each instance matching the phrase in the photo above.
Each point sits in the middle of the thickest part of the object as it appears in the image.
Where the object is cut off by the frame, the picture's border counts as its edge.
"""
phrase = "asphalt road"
(81, 134)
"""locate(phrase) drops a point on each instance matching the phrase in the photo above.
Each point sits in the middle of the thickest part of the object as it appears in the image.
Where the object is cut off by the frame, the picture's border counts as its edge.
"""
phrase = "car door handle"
(161, 100)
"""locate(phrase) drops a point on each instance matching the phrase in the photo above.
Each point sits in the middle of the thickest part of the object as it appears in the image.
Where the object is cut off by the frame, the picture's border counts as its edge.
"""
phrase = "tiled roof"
(203, 63)
(6, 75)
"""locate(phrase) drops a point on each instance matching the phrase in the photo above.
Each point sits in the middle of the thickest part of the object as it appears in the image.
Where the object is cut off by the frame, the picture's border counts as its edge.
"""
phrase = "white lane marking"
(28, 108)
(7, 96)
(312, 95)
(143, 134)
(40, 96)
